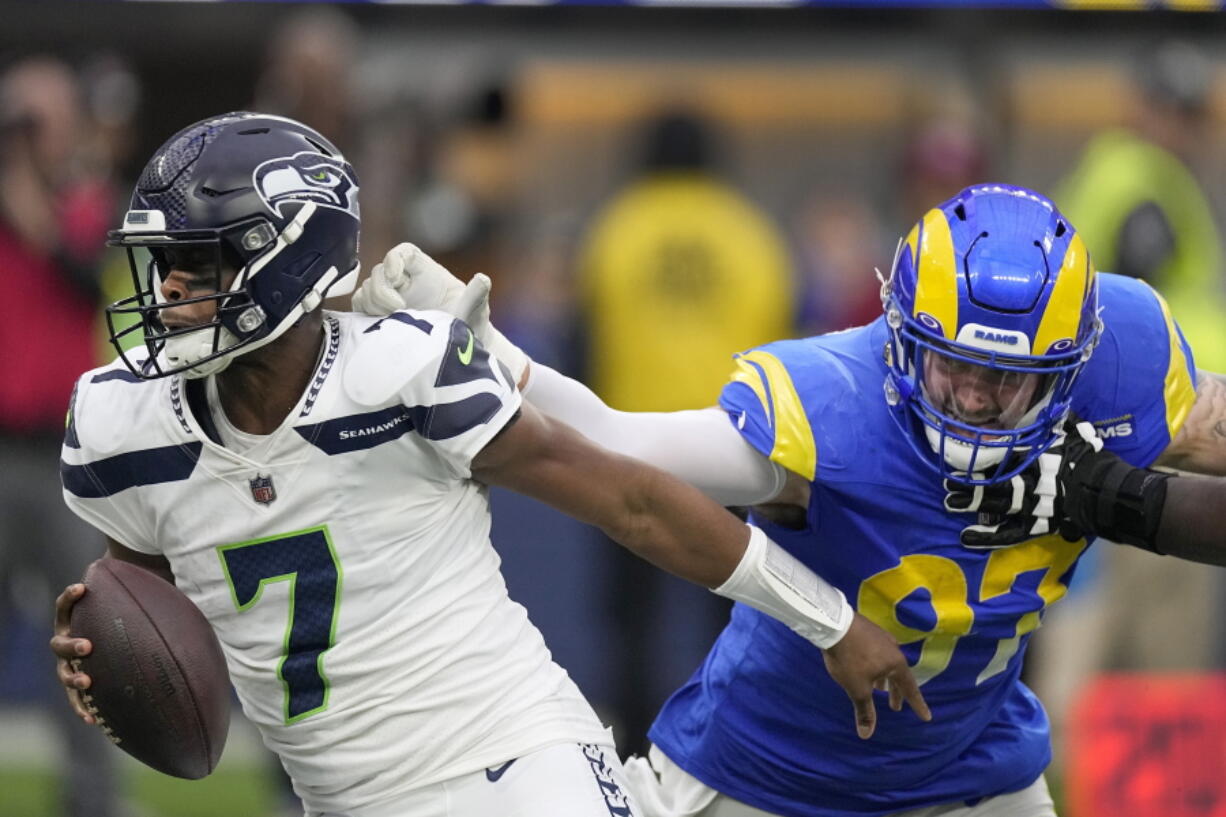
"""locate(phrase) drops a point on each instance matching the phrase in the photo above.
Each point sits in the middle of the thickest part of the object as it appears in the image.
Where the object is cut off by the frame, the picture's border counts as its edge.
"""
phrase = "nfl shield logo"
(262, 489)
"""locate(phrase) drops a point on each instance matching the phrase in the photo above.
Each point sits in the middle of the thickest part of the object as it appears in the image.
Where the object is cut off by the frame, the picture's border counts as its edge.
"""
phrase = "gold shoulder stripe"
(747, 374)
(936, 282)
(1180, 391)
(794, 446)
(1062, 314)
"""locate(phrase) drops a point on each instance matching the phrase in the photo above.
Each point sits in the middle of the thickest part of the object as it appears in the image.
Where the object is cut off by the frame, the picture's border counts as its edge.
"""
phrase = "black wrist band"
(1111, 499)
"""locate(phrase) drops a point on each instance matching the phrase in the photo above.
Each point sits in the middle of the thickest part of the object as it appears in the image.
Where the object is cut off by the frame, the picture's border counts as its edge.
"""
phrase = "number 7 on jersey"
(307, 560)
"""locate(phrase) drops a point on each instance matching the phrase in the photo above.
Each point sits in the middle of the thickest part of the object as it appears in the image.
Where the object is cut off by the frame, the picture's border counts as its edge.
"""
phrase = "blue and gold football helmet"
(992, 307)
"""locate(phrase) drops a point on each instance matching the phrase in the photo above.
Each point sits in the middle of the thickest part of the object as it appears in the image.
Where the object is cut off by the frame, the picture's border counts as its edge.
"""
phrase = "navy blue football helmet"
(992, 307)
(261, 196)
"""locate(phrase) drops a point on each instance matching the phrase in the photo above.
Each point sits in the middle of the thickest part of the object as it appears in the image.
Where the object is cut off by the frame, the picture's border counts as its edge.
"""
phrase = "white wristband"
(773, 581)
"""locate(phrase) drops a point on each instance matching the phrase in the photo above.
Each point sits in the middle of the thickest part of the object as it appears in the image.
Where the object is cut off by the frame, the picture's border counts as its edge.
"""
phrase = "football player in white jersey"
(315, 483)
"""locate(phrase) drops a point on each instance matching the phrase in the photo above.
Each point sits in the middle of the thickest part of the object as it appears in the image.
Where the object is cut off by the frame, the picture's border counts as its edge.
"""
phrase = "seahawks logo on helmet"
(306, 177)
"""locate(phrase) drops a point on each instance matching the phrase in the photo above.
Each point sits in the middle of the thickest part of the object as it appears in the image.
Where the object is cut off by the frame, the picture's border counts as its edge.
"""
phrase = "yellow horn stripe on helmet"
(936, 279)
(1062, 315)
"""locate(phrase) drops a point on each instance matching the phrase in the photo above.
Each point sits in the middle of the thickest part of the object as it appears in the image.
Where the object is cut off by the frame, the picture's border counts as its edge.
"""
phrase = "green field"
(241, 792)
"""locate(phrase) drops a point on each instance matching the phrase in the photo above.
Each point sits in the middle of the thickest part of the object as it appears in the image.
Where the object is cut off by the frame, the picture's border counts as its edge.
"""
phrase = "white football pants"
(565, 780)
(664, 789)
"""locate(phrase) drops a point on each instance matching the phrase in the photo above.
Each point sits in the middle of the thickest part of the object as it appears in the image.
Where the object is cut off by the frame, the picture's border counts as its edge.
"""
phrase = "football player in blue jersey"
(315, 482)
(943, 467)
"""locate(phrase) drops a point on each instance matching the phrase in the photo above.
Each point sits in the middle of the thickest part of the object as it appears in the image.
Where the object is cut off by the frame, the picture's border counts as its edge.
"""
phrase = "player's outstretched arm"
(700, 447)
(1095, 492)
(1180, 515)
(68, 649)
(673, 526)
(1193, 519)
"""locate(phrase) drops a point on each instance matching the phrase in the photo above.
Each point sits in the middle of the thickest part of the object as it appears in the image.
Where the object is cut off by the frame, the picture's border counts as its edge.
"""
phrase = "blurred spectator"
(944, 153)
(678, 273)
(838, 245)
(53, 219)
(1135, 197)
(841, 237)
(461, 208)
(112, 93)
(307, 75)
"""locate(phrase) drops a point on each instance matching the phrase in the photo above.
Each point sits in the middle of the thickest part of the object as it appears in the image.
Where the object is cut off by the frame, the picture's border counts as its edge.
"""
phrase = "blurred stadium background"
(504, 139)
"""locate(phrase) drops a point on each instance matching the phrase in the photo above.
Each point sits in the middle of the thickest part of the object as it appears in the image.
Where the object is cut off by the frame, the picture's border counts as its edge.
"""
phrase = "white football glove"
(407, 278)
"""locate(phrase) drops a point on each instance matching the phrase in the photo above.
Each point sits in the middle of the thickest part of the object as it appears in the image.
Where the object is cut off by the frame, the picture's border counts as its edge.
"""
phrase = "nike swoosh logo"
(493, 775)
(466, 355)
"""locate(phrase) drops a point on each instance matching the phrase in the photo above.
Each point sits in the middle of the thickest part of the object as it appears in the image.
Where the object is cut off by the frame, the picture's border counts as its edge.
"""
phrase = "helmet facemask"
(983, 411)
(194, 350)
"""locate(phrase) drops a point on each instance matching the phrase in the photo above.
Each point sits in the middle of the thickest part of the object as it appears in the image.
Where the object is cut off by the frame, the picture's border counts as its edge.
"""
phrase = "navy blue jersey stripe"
(358, 432)
(400, 317)
(115, 374)
(151, 466)
(447, 420)
(465, 360)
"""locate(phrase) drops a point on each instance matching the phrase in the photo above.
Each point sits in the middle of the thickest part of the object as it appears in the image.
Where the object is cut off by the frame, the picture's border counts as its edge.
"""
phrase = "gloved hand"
(1032, 503)
(407, 278)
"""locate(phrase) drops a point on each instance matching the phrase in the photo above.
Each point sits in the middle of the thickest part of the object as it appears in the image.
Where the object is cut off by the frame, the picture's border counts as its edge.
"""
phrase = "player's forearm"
(673, 526)
(1176, 515)
(700, 447)
(663, 520)
(678, 530)
(1193, 521)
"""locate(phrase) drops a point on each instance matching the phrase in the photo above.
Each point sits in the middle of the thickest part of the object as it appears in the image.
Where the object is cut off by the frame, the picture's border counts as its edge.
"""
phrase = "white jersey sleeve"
(98, 463)
(459, 396)
(465, 400)
(700, 446)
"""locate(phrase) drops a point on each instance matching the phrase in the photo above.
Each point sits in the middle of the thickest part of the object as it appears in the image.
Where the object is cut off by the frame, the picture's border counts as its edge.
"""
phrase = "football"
(159, 687)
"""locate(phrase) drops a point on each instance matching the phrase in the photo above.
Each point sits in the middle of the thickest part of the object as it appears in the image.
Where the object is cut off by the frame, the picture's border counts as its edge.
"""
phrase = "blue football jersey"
(762, 721)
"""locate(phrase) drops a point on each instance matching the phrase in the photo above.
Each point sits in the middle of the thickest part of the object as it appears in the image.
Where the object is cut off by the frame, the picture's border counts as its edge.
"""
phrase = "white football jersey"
(344, 560)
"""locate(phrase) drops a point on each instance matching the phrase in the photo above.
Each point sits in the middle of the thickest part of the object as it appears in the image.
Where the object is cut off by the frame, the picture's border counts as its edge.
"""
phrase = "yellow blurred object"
(1121, 172)
(680, 273)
